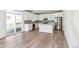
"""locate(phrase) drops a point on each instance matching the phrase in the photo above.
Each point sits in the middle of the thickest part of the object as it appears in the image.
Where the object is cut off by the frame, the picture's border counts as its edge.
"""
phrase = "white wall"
(71, 27)
(2, 23)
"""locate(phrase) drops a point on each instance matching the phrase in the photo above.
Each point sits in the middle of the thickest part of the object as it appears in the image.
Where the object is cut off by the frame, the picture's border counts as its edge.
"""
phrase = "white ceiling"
(44, 11)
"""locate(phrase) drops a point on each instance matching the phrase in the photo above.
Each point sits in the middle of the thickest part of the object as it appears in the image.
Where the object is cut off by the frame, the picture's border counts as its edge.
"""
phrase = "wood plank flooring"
(35, 39)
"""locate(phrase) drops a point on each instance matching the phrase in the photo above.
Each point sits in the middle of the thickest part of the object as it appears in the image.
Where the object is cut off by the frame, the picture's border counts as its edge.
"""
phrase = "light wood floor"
(35, 39)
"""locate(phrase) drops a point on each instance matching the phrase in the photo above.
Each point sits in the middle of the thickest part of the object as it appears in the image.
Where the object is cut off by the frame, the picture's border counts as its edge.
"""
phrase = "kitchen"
(50, 15)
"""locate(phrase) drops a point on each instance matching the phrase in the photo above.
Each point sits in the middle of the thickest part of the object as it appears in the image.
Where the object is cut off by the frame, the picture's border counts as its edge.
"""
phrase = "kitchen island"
(48, 28)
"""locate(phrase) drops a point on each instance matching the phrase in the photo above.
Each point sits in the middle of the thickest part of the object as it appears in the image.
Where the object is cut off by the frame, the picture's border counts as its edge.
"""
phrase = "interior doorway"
(33, 27)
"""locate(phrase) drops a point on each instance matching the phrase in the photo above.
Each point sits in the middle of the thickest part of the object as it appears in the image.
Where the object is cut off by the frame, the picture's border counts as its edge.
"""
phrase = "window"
(18, 22)
(10, 22)
(14, 21)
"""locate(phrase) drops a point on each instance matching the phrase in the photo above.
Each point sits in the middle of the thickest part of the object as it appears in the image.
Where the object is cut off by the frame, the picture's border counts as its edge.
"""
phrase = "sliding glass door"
(10, 23)
(14, 21)
(18, 22)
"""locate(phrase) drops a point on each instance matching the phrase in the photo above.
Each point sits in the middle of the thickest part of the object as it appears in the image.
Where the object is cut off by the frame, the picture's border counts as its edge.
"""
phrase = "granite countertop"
(38, 21)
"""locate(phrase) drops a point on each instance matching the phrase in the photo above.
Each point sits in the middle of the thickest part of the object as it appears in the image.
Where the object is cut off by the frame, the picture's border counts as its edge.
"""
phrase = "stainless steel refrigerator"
(58, 23)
